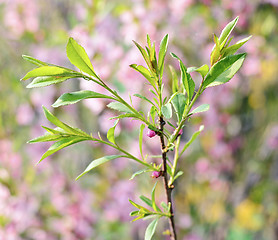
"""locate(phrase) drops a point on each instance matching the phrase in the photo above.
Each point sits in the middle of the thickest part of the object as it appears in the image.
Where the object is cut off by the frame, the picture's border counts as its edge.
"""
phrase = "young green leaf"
(34, 61)
(216, 51)
(232, 49)
(179, 103)
(48, 80)
(79, 58)
(151, 229)
(74, 131)
(48, 71)
(154, 206)
(111, 133)
(162, 52)
(186, 78)
(146, 200)
(65, 142)
(145, 72)
(179, 173)
(139, 172)
(174, 79)
(224, 70)
(144, 98)
(145, 55)
(203, 70)
(74, 97)
(119, 107)
(48, 137)
(167, 110)
(141, 139)
(226, 32)
(194, 136)
(97, 162)
(201, 108)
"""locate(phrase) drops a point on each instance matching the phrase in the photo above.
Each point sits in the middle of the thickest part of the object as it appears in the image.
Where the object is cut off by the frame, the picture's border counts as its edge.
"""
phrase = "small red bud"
(151, 133)
(180, 132)
(156, 174)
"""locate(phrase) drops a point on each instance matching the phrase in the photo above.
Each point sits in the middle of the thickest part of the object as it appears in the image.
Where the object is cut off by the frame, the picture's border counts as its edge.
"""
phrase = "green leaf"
(97, 162)
(139, 172)
(194, 136)
(174, 79)
(51, 118)
(79, 58)
(141, 139)
(201, 108)
(74, 97)
(179, 173)
(179, 103)
(145, 72)
(48, 137)
(65, 142)
(146, 200)
(145, 55)
(151, 229)
(111, 133)
(48, 71)
(186, 78)
(216, 51)
(167, 110)
(153, 112)
(127, 115)
(162, 52)
(224, 70)
(154, 206)
(34, 61)
(227, 31)
(119, 107)
(144, 98)
(203, 70)
(47, 80)
(232, 49)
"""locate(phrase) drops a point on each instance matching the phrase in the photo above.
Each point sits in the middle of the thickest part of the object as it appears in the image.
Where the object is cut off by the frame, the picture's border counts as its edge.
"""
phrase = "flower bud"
(151, 133)
(156, 174)
(180, 132)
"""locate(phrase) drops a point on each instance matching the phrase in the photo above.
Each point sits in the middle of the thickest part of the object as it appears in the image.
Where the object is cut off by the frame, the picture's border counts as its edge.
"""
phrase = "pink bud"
(156, 174)
(151, 133)
(180, 132)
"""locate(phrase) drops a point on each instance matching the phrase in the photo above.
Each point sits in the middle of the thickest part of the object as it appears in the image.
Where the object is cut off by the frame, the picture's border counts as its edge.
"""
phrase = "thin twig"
(165, 177)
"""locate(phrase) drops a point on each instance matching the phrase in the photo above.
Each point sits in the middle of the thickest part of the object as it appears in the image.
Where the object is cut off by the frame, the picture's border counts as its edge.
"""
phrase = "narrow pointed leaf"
(74, 97)
(111, 133)
(232, 49)
(151, 229)
(154, 206)
(162, 53)
(65, 142)
(119, 107)
(145, 72)
(224, 70)
(227, 31)
(179, 173)
(174, 79)
(201, 108)
(79, 58)
(141, 139)
(145, 55)
(146, 200)
(48, 137)
(97, 162)
(144, 98)
(51, 118)
(34, 61)
(191, 140)
(139, 172)
(179, 103)
(48, 80)
(48, 71)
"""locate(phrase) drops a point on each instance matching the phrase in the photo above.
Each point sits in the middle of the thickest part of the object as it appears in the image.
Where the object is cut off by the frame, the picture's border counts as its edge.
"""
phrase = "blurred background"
(230, 187)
